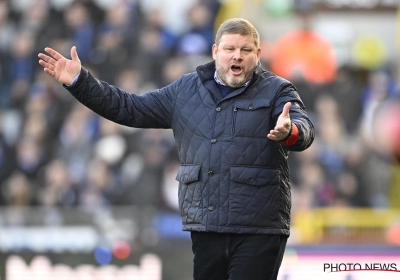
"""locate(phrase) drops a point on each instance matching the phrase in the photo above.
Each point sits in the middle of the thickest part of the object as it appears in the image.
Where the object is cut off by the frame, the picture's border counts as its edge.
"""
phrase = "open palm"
(282, 127)
(60, 68)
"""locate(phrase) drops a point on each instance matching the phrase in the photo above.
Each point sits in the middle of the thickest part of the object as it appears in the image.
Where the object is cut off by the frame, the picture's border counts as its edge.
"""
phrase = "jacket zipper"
(234, 120)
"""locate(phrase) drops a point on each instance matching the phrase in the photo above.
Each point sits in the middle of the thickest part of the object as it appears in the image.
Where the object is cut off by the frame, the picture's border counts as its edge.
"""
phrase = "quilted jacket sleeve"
(298, 115)
(151, 110)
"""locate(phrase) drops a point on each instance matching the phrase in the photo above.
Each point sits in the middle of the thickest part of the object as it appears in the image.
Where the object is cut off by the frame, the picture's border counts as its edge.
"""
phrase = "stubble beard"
(234, 82)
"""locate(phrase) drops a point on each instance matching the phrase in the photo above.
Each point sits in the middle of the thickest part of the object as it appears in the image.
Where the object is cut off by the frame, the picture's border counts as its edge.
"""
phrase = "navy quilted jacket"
(232, 177)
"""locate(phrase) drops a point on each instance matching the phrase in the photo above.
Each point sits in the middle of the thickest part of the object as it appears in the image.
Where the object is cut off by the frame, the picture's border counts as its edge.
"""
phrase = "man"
(234, 125)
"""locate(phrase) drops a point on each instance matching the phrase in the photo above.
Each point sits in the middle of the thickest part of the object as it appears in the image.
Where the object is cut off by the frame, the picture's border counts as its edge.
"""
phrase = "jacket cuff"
(292, 139)
(77, 81)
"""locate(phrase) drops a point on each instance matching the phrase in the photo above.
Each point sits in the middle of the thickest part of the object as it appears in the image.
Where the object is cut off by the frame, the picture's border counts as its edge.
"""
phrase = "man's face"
(236, 56)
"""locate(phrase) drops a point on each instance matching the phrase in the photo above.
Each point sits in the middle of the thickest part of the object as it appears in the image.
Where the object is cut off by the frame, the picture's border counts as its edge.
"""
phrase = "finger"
(54, 53)
(74, 54)
(273, 137)
(47, 58)
(277, 134)
(286, 108)
(280, 130)
(50, 72)
(46, 65)
(41, 62)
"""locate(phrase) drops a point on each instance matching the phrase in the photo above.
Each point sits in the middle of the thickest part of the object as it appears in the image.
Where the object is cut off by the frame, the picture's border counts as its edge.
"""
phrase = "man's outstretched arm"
(151, 110)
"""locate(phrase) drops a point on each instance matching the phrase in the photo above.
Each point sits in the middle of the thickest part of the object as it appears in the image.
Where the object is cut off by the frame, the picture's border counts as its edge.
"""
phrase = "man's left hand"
(283, 125)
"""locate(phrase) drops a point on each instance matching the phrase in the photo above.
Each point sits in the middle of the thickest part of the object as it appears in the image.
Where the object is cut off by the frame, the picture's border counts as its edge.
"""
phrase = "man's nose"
(237, 55)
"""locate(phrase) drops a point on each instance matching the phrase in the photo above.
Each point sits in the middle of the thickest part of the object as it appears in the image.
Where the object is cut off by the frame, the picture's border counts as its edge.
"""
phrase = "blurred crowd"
(56, 152)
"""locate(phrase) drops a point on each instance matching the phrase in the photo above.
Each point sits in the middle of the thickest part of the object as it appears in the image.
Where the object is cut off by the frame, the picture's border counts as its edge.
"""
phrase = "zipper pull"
(235, 109)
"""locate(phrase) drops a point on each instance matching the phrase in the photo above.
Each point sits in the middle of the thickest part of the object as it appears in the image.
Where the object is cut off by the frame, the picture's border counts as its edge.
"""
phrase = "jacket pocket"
(189, 192)
(254, 196)
(250, 117)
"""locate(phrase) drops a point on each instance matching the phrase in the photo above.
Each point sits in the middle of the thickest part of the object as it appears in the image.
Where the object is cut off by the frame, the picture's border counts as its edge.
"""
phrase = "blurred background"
(84, 198)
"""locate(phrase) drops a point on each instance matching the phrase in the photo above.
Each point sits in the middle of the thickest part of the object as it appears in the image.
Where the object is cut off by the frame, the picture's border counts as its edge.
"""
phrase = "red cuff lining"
(293, 138)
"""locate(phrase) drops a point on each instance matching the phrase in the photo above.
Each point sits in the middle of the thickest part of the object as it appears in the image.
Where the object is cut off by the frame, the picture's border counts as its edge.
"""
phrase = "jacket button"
(251, 107)
(213, 141)
(210, 172)
(218, 109)
(210, 208)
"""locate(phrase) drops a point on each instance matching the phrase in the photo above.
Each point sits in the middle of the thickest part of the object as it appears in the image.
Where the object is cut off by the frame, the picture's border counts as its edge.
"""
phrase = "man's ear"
(259, 53)
(214, 51)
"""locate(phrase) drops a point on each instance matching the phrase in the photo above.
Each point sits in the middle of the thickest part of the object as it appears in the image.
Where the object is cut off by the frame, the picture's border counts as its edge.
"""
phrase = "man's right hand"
(62, 69)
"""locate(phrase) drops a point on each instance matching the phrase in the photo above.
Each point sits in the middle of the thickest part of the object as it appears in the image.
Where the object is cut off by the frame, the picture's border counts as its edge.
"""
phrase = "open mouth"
(236, 69)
